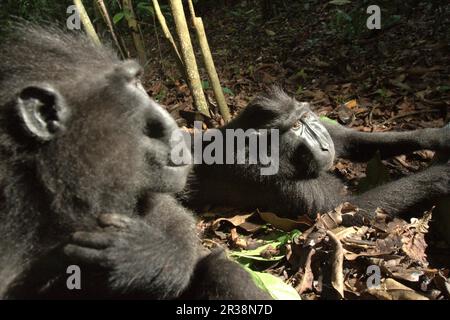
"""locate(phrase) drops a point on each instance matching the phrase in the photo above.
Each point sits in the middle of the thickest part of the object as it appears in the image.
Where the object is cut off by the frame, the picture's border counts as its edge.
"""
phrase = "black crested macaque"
(307, 148)
(86, 180)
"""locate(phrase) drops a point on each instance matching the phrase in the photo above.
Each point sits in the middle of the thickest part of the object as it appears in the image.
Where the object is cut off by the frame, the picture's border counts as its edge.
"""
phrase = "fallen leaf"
(236, 220)
(280, 223)
(237, 240)
(352, 104)
(305, 273)
(394, 290)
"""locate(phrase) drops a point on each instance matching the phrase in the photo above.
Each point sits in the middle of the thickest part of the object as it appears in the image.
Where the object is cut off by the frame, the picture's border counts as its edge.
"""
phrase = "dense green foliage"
(34, 10)
(347, 17)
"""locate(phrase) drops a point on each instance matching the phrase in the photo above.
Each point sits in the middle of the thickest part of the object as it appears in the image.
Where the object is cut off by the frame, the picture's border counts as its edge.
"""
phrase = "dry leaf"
(393, 290)
(352, 104)
(236, 220)
(280, 223)
(238, 241)
(305, 274)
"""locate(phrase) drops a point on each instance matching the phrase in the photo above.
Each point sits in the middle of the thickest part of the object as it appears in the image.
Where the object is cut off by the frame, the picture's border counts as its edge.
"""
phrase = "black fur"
(304, 184)
(85, 178)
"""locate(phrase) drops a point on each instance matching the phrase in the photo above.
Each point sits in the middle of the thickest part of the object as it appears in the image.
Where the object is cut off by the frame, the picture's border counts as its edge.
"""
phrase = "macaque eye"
(297, 125)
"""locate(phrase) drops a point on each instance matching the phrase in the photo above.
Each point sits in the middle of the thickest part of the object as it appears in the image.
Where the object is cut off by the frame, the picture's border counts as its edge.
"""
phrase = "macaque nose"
(161, 126)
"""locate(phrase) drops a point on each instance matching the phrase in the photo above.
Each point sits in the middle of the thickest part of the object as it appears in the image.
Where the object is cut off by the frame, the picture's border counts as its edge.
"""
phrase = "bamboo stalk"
(187, 52)
(86, 21)
(104, 12)
(209, 64)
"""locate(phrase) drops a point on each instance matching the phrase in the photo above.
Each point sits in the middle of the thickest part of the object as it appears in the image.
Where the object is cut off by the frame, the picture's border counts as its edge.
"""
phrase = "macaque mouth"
(170, 179)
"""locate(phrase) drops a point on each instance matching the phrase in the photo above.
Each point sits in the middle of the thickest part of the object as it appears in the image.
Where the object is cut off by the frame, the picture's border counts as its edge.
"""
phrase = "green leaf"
(128, 14)
(382, 92)
(342, 16)
(443, 88)
(256, 253)
(326, 119)
(376, 174)
(284, 238)
(145, 7)
(205, 84)
(119, 16)
(161, 95)
(391, 20)
(274, 286)
(164, 7)
(276, 243)
(301, 74)
(339, 2)
(227, 91)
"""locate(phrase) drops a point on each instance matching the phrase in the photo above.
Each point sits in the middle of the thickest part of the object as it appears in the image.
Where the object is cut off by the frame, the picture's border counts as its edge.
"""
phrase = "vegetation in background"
(320, 51)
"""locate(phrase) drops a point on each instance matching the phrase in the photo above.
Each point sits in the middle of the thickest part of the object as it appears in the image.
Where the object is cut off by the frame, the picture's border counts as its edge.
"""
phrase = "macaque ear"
(43, 111)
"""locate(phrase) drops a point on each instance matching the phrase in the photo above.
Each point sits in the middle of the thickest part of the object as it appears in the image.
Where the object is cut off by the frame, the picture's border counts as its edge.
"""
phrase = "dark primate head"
(78, 131)
(306, 147)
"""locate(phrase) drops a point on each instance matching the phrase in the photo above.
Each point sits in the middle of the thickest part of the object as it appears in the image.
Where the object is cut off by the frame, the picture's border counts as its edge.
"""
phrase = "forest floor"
(396, 78)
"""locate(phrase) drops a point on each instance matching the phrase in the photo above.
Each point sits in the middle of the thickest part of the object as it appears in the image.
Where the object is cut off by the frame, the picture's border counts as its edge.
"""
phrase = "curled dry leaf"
(394, 290)
(425, 154)
(333, 219)
(411, 275)
(413, 238)
(305, 273)
(237, 240)
(343, 232)
(283, 223)
(240, 220)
